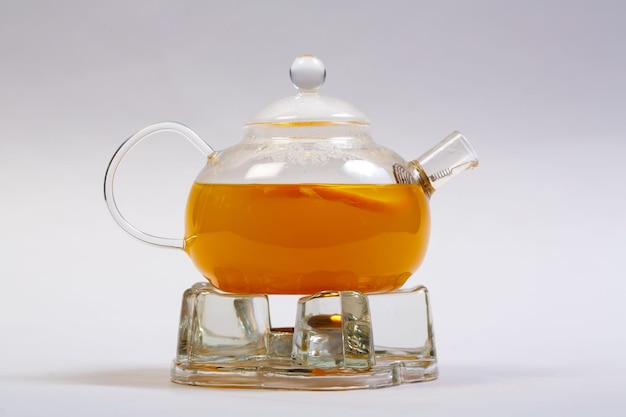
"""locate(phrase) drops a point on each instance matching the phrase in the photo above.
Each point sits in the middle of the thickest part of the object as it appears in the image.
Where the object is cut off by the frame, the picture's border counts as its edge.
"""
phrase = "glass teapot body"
(300, 209)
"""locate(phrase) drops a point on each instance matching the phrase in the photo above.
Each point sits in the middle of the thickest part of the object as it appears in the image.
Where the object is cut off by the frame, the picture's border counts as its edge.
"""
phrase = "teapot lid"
(307, 107)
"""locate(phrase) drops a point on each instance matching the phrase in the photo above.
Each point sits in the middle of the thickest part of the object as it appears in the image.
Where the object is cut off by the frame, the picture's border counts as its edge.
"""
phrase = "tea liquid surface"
(305, 238)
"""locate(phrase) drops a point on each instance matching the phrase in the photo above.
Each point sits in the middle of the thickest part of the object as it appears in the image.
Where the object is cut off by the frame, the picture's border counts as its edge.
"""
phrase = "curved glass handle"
(109, 178)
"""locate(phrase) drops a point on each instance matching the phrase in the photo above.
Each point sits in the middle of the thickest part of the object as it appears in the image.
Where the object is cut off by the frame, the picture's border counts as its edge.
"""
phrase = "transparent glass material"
(308, 196)
(334, 329)
(339, 341)
(223, 325)
(446, 160)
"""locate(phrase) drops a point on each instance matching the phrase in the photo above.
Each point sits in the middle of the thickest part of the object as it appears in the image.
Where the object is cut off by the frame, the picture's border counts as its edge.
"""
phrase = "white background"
(525, 265)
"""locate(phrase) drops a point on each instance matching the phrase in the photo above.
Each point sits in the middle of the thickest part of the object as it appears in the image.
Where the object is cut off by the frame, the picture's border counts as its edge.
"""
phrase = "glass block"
(279, 343)
(403, 323)
(333, 329)
(217, 326)
(358, 340)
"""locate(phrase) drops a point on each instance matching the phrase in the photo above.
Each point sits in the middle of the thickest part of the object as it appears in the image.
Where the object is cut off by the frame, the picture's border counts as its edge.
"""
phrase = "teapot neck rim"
(306, 123)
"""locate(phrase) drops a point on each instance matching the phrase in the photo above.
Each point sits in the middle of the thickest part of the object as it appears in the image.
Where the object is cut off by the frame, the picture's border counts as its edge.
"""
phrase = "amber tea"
(305, 238)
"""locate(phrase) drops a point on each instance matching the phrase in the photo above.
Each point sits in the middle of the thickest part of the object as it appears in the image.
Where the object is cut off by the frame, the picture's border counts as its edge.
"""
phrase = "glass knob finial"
(307, 73)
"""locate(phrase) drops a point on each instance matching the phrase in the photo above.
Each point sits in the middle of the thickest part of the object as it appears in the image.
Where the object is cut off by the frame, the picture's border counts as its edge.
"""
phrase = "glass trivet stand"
(340, 340)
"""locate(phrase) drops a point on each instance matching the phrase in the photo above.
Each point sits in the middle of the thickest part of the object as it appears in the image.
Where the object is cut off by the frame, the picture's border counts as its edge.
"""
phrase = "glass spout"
(446, 160)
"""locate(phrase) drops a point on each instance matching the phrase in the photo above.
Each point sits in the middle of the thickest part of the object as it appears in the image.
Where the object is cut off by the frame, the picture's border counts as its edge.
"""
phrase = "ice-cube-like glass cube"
(403, 324)
(333, 329)
(215, 325)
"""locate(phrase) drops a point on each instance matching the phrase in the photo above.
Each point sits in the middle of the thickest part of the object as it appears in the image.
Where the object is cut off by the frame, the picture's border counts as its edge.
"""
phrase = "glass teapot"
(307, 201)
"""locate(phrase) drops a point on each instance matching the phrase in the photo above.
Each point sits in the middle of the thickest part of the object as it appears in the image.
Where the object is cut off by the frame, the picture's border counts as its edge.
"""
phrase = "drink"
(305, 238)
